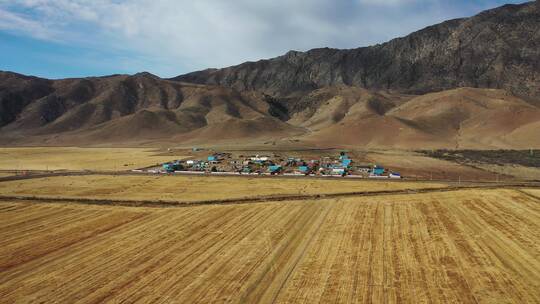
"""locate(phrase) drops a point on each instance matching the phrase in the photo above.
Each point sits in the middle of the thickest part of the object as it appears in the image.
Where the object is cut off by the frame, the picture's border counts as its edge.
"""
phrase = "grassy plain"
(469, 246)
(191, 188)
(73, 158)
(520, 172)
(414, 164)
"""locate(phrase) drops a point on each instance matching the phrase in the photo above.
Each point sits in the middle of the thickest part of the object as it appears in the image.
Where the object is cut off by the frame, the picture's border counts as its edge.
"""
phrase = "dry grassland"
(455, 247)
(190, 188)
(520, 172)
(72, 158)
(413, 164)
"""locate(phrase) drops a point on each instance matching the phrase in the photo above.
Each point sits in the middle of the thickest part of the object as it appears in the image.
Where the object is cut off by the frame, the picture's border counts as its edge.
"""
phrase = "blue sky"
(76, 38)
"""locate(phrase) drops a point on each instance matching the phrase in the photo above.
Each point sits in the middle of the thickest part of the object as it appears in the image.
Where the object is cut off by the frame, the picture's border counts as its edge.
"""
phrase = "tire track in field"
(195, 257)
(277, 259)
(289, 269)
(160, 252)
(216, 269)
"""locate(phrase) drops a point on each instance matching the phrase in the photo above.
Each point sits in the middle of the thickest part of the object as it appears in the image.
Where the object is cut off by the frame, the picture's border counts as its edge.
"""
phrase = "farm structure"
(466, 246)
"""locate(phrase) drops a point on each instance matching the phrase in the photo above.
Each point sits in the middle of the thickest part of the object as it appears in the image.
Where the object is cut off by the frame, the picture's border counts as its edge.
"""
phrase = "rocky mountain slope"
(498, 48)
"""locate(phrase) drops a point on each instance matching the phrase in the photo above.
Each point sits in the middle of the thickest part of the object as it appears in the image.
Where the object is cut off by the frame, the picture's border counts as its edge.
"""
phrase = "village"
(221, 163)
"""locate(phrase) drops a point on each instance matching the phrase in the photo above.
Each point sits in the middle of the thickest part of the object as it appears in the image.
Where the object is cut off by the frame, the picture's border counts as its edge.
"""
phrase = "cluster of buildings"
(224, 163)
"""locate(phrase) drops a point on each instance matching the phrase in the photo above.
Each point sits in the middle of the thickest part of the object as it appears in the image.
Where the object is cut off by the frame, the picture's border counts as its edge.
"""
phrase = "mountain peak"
(146, 74)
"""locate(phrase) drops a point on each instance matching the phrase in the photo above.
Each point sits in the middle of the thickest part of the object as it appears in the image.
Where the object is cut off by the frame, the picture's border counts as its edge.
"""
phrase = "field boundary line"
(242, 200)
(62, 173)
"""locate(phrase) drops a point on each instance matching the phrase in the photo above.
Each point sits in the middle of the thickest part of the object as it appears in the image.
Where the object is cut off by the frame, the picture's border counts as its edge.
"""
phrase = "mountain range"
(464, 83)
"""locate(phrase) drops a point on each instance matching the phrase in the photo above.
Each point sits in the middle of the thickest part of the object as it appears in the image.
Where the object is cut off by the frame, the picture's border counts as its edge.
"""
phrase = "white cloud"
(23, 24)
(195, 34)
(386, 2)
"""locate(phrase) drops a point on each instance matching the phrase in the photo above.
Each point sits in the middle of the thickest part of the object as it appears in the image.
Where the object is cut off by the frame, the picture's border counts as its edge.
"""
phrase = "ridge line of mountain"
(497, 48)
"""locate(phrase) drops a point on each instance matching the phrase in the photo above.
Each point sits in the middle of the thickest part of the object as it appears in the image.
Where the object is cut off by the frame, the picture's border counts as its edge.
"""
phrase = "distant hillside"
(143, 108)
(124, 108)
(458, 118)
(498, 48)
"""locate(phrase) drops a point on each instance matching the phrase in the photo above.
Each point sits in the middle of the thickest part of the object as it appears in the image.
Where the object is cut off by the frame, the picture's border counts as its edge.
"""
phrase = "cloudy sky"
(73, 38)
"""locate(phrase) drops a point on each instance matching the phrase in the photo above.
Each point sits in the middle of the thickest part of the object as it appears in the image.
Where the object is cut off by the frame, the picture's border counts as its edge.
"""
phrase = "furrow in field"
(126, 249)
(341, 283)
(241, 265)
(280, 253)
(57, 264)
(447, 280)
(13, 209)
(222, 265)
(465, 260)
(268, 279)
(445, 247)
(497, 214)
(27, 212)
(186, 258)
(315, 273)
(32, 231)
(147, 255)
(505, 257)
(14, 254)
(135, 243)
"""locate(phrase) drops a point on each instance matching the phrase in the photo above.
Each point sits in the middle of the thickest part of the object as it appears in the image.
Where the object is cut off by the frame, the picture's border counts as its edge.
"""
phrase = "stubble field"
(535, 193)
(73, 158)
(467, 246)
(192, 188)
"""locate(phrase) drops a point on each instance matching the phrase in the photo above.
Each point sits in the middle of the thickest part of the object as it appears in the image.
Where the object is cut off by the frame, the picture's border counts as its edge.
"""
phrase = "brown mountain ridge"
(144, 109)
(498, 48)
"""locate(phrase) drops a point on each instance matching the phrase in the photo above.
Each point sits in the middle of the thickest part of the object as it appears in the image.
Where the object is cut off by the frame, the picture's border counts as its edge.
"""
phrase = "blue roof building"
(303, 169)
(378, 170)
(274, 168)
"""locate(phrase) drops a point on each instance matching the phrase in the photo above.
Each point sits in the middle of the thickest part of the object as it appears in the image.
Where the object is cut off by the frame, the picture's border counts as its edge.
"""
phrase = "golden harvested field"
(469, 246)
(191, 188)
(72, 158)
(533, 192)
